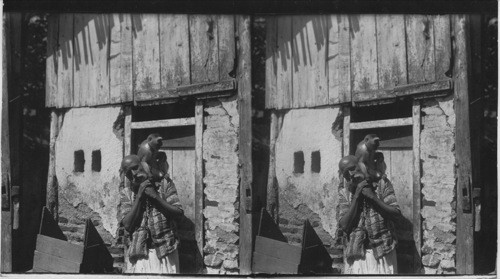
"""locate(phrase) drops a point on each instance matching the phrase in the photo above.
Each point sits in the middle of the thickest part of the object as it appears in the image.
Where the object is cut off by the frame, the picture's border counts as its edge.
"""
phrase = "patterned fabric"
(155, 230)
(372, 230)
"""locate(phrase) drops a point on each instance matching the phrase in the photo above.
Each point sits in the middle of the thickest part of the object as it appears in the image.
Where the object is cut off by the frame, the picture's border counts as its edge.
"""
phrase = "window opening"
(79, 164)
(315, 161)
(298, 162)
(96, 160)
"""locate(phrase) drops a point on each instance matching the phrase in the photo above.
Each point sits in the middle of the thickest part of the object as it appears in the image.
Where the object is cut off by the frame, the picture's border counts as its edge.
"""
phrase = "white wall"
(90, 129)
(310, 130)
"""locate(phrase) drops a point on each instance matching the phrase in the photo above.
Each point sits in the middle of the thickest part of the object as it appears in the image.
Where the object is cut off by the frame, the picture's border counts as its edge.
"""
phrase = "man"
(148, 212)
(366, 212)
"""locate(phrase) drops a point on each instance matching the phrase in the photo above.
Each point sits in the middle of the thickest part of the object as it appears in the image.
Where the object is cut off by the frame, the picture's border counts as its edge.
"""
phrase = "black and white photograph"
(250, 142)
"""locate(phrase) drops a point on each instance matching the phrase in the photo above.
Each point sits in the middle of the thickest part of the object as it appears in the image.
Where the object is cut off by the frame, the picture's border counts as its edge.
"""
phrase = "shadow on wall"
(80, 34)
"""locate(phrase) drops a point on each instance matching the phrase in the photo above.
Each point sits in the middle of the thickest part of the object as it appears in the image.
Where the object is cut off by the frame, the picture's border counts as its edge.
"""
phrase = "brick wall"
(220, 155)
(437, 141)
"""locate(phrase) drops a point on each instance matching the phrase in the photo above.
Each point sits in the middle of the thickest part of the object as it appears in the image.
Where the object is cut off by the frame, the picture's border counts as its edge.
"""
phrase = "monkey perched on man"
(365, 153)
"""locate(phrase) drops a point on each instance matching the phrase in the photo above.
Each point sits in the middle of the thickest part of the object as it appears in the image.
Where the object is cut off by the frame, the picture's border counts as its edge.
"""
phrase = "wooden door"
(399, 171)
(181, 163)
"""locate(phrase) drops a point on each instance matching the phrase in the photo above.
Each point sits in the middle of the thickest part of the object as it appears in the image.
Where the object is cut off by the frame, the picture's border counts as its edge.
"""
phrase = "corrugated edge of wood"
(207, 89)
(420, 90)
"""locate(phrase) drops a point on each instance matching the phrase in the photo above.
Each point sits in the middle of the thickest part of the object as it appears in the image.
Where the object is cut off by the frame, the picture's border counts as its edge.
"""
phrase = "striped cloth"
(155, 230)
(372, 230)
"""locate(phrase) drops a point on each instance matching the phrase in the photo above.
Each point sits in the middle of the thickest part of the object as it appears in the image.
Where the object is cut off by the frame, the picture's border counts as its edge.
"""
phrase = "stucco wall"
(437, 141)
(90, 194)
(309, 195)
(220, 154)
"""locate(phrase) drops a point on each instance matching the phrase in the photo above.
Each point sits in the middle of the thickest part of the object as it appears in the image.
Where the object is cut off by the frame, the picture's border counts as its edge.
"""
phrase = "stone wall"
(308, 190)
(220, 155)
(91, 193)
(437, 142)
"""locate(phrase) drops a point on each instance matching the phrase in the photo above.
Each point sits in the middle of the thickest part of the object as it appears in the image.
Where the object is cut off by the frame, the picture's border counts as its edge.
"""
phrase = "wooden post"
(52, 185)
(272, 205)
(127, 137)
(245, 141)
(198, 190)
(346, 131)
(6, 212)
(417, 222)
(461, 75)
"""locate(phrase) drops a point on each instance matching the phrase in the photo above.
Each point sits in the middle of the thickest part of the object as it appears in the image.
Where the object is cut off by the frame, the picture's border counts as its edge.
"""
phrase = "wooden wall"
(99, 59)
(331, 59)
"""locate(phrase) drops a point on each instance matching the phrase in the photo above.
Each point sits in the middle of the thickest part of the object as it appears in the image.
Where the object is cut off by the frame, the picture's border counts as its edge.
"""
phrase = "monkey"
(149, 147)
(157, 161)
(365, 153)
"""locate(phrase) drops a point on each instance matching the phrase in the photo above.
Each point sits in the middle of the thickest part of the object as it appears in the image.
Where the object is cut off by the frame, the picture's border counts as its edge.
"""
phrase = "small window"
(79, 161)
(96, 160)
(316, 161)
(298, 162)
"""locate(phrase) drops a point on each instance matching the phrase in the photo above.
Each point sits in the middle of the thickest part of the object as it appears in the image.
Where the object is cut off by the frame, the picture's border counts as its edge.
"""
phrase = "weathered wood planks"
(146, 52)
(91, 52)
(338, 59)
(442, 46)
(364, 66)
(51, 61)
(309, 44)
(120, 58)
(284, 98)
(271, 61)
(364, 53)
(392, 51)
(204, 43)
(420, 48)
(65, 62)
(174, 52)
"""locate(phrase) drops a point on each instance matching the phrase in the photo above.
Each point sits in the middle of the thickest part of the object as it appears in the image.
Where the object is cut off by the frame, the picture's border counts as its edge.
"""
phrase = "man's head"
(380, 163)
(347, 166)
(133, 170)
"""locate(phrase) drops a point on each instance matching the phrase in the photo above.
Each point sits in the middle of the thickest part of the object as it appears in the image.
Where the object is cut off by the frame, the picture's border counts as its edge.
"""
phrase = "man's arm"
(165, 208)
(348, 221)
(133, 218)
(387, 211)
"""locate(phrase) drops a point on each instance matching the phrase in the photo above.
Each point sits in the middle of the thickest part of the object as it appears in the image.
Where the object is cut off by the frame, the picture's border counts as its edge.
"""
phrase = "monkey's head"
(372, 142)
(155, 141)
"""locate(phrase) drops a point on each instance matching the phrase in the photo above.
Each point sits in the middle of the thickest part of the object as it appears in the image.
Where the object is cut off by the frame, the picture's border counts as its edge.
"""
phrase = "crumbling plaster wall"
(89, 194)
(309, 195)
(437, 142)
(221, 179)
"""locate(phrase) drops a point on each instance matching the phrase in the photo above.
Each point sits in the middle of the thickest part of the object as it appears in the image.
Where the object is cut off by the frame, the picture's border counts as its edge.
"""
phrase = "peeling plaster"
(310, 130)
(91, 129)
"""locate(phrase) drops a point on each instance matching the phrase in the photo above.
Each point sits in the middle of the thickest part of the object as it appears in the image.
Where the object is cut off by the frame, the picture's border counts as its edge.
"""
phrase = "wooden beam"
(52, 185)
(347, 131)
(272, 185)
(163, 123)
(244, 75)
(421, 89)
(198, 180)
(461, 76)
(6, 229)
(127, 149)
(397, 122)
(417, 188)
(206, 88)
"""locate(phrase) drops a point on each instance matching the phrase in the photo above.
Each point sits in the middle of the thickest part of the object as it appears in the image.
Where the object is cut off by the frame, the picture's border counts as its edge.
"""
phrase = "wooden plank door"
(182, 172)
(399, 171)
